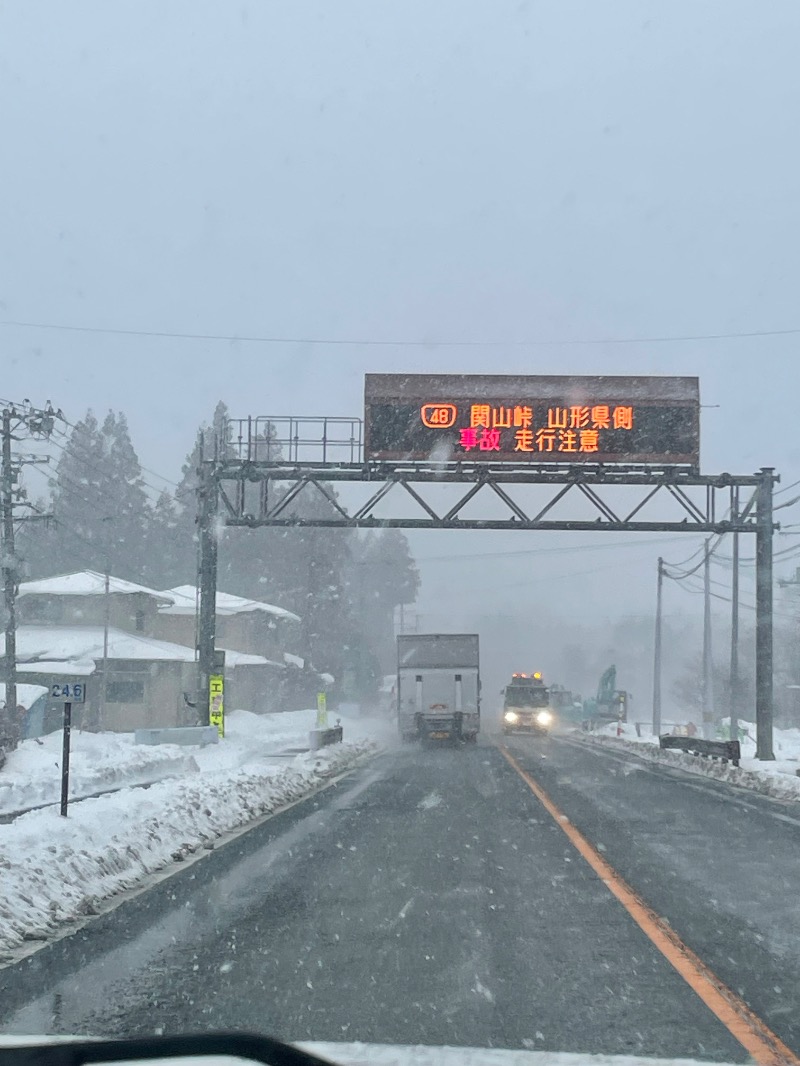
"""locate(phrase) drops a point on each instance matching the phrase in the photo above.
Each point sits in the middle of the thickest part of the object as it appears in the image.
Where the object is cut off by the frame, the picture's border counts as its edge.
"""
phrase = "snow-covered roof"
(86, 583)
(185, 599)
(82, 643)
(26, 694)
(62, 667)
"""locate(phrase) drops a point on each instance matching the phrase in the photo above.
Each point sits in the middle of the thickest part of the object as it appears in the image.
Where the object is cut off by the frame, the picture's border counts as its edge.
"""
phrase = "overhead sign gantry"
(491, 452)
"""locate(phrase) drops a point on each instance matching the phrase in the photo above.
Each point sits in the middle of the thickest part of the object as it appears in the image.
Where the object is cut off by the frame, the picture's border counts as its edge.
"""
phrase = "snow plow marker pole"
(66, 741)
(751, 1032)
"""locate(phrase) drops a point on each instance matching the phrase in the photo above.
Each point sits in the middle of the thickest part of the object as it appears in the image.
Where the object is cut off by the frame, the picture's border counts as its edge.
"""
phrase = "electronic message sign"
(503, 418)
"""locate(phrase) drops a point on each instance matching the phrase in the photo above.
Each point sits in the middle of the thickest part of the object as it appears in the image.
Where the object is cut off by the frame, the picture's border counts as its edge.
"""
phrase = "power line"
(361, 342)
(543, 551)
(78, 447)
(694, 591)
(708, 553)
(147, 470)
(786, 488)
(781, 556)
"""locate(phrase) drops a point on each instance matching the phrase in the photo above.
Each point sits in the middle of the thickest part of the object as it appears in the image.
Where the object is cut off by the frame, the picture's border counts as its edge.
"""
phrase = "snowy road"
(429, 898)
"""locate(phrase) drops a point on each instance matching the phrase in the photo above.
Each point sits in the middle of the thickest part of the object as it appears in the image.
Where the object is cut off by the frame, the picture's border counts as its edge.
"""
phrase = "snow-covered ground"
(31, 776)
(55, 870)
(98, 761)
(413, 1055)
(778, 778)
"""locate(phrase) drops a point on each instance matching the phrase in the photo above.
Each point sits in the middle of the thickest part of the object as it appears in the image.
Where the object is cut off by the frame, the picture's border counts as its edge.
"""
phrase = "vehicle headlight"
(544, 718)
(511, 716)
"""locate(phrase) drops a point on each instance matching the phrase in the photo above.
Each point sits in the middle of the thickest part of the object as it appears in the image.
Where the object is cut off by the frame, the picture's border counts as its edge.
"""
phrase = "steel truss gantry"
(252, 492)
(279, 487)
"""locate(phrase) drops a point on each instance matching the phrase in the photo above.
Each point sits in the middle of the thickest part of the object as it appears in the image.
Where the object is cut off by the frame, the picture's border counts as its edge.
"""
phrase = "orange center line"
(752, 1033)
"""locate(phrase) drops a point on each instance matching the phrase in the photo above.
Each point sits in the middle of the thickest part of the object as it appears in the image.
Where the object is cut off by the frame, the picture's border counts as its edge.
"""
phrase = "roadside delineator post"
(68, 693)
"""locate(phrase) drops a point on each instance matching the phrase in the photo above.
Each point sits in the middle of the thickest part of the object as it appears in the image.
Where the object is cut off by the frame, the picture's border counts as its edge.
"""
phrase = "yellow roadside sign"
(216, 702)
(322, 710)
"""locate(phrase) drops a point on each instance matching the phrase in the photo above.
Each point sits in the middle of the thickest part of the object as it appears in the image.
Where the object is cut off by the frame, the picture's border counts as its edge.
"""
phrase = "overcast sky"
(431, 170)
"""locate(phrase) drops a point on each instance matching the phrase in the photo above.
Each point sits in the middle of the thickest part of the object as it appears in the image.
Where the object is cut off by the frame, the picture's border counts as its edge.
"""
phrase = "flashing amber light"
(537, 676)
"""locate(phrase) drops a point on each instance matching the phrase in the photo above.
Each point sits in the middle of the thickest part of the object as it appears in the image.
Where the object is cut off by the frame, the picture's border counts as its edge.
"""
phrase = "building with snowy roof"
(247, 625)
(149, 682)
(151, 672)
(81, 599)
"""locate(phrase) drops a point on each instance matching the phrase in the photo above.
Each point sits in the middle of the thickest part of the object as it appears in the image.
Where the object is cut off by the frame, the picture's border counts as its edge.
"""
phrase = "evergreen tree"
(381, 576)
(169, 561)
(100, 508)
(125, 513)
(69, 541)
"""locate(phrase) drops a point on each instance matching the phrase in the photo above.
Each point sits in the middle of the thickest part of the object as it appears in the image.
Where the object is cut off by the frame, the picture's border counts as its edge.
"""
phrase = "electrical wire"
(694, 591)
(146, 469)
(97, 468)
(688, 573)
(543, 551)
(781, 556)
(361, 342)
(786, 488)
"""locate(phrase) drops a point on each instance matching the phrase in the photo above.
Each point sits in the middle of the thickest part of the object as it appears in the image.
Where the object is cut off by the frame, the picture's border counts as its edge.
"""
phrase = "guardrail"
(725, 750)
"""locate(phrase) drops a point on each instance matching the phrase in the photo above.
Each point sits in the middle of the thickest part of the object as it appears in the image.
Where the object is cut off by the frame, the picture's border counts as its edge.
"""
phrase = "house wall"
(252, 632)
(140, 694)
(178, 628)
(134, 612)
(254, 688)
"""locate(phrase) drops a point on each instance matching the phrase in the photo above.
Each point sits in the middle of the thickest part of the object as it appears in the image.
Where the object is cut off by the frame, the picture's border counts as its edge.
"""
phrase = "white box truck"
(438, 686)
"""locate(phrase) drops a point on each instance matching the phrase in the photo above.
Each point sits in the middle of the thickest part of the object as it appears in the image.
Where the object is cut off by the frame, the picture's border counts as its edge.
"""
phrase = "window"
(38, 609)
(140, 621)
(125, 692)
(33, 610)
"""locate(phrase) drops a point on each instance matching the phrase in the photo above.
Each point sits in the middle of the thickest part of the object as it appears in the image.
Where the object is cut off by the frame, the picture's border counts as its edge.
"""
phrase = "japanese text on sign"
(532, 419)
(322, 710)
(216, 702)
(522, 428)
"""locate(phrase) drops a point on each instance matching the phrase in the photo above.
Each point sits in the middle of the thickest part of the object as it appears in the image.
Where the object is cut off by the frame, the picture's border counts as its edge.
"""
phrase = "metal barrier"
(726, 750)
(185, 734)
(323, 738)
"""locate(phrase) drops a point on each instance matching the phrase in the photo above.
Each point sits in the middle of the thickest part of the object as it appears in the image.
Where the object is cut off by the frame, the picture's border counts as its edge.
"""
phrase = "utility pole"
(734, 674)
(9, 578)
(38, 423)
(657, 656)
(106, 621)
(101, 717)
(208, 500)
(708, 660)
(764, 656)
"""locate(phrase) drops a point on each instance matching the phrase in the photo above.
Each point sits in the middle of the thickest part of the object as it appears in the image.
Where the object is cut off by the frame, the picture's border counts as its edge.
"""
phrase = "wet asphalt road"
(429, 898)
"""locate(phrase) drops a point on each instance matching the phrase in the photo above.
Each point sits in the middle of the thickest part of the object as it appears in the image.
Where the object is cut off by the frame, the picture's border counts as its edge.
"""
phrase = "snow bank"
(54, 870)
(354, 1054)
(98, 761)
(417, 1055)
(777, 779)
